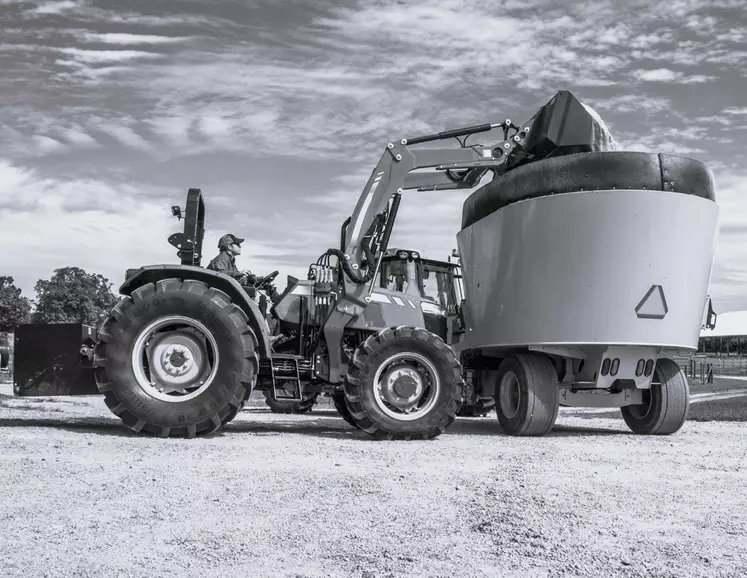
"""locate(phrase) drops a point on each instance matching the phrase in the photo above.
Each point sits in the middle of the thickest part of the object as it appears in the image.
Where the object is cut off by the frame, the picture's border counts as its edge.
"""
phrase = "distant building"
(728, 338)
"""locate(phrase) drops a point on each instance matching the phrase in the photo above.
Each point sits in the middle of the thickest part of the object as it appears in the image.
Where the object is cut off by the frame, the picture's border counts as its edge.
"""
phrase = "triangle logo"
(653, 305)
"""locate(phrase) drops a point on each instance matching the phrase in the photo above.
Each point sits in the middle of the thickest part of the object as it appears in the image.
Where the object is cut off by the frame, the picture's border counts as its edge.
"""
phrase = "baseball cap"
(229, 239)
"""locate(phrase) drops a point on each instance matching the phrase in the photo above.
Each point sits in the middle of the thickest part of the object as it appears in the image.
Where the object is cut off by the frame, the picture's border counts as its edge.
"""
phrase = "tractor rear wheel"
(290, 406)
(176, 358)
(403, 383)
(527, 395)
(665, 405)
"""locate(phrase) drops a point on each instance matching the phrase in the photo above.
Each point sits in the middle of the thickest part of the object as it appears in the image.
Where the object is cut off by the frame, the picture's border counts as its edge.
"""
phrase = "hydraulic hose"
(370, 259)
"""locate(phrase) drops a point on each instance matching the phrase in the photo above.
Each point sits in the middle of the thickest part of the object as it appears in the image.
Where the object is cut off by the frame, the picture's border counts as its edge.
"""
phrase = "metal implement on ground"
(570, 291)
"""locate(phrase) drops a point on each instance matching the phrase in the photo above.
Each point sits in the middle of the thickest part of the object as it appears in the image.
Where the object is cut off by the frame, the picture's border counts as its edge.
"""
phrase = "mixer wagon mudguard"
(153, 273)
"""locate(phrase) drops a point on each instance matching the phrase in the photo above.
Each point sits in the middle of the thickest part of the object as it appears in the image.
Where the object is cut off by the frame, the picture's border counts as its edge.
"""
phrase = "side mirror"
(177, 212)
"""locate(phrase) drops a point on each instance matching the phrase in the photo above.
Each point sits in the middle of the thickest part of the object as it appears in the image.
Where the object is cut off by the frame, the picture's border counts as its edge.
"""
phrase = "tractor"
(574, 295)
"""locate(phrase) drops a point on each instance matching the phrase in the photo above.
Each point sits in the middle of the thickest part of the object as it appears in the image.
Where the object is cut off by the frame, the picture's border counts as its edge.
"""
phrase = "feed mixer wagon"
(584, 269)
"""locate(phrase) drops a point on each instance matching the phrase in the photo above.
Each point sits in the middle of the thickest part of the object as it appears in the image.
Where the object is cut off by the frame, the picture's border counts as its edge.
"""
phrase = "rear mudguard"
(153, 273)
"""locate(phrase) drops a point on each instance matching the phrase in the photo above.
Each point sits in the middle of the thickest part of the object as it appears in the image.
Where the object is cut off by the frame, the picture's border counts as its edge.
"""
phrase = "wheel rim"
(406, 386)
(509, 394)
(174, 358)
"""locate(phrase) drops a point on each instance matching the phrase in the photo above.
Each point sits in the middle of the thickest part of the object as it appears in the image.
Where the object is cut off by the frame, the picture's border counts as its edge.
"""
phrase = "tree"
(73, 296)
(14, 309)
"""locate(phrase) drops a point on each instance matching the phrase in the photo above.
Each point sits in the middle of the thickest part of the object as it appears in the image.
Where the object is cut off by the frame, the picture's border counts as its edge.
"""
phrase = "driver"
(229, 246)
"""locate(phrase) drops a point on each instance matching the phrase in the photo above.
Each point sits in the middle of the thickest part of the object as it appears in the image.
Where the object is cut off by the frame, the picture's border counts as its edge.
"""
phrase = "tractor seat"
(591, 171)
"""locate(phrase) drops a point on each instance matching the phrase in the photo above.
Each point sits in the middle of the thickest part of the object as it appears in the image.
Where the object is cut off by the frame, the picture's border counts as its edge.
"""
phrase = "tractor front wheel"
(403, 383)
(176, 358)
(527, 395)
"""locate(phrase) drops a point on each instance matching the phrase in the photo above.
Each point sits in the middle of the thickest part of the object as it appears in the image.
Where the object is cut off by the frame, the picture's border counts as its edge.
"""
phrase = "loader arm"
(455, 168)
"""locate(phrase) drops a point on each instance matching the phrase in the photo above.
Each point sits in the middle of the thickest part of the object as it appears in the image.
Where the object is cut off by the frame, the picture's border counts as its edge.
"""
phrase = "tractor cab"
(436, 284)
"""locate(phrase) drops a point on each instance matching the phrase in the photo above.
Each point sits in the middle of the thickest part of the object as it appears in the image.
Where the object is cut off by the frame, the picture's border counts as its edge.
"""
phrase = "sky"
(279, 111)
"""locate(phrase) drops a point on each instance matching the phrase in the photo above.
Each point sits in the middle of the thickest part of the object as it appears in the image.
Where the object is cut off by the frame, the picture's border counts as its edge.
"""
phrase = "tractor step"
(284, 368)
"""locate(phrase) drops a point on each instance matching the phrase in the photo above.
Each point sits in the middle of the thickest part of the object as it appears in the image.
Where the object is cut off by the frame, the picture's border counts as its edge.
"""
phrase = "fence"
(703, 368)
(697, 371)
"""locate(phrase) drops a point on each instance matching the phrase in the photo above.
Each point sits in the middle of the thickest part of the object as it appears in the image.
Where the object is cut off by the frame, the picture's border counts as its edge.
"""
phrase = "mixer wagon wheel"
(338, 399)
(527, 395)
(289, 406)
(665, 406)
(403, 383)
(176, 358)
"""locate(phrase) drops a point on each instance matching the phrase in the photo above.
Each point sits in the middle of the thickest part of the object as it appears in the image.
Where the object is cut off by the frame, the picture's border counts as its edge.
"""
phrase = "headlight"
(415, 254)
(402, 254)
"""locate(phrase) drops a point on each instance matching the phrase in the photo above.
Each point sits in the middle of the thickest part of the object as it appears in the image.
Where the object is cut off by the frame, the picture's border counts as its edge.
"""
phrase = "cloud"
(126, 135)
(89, 57)
(78, 137)
(46, 144)
(128, 39)
(52, 8)
(668, 75)
(99, 226)
(631, 103)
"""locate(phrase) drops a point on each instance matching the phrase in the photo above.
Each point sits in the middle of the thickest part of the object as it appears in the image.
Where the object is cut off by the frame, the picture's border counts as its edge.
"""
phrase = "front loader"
(575, 294)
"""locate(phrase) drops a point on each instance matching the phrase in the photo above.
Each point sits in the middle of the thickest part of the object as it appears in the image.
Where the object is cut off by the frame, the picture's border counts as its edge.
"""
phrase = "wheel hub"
(402, 387)
(174, 358)
(177, 360)
(406, 386)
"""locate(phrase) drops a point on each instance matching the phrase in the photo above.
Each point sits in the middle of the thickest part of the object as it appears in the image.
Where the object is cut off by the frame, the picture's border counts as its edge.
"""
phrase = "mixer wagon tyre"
(527, 395)
(177, 358)
(289, 406)
(338, 399)
(480, 409)
(665, 406)
(403, 383)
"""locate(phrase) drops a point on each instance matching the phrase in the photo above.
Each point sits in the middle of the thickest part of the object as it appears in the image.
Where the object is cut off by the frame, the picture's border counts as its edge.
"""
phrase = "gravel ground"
(276, 495)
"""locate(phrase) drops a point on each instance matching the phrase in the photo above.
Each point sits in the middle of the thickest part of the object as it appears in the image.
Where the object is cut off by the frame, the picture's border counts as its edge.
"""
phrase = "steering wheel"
(266, 280)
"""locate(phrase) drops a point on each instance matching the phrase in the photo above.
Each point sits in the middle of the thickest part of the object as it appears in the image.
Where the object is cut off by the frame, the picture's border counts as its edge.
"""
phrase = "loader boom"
(392, 176)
